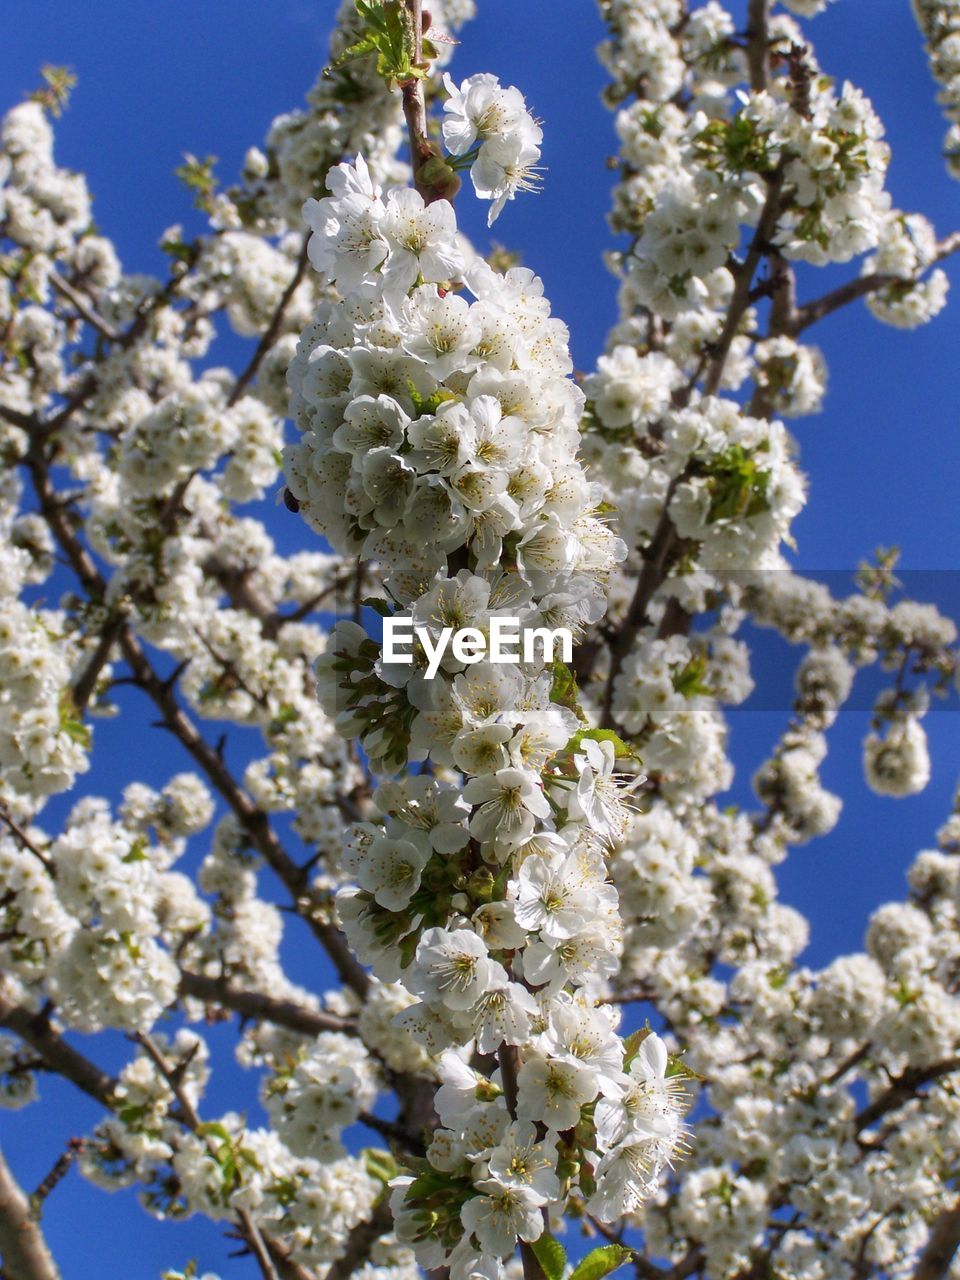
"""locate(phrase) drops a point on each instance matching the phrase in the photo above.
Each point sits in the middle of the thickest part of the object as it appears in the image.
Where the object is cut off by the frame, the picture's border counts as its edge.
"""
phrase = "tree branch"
(902, 1090)
(25, 1253)
(58, 1056)
(758, 43)
(414, 107)
(272, 330)
(934, 1261)
(743, 280)
(507, 1056)
(254, 821)
(25, 842)
(248, 1228)
(86, 682)
(360, 1241)
(83, 308)
(810, 312)
(262, 1008)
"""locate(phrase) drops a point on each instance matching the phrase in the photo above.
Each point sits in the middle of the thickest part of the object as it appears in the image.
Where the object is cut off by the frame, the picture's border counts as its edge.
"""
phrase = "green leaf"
(621, 749)
(378, 606)
(551, 1255)
(601, 1262)
(677, 1067)
(198, 176)
(132, 1115)
(689, 681)
(214, 1129)
(631, 1046)
(388, 33)
(424, 405)
(138, 850)
(180, 251)
(55, 94)
(70, 722)
(359, 49)
(427, 1185)
(737, 486)
(564, 691)
(380, 1164)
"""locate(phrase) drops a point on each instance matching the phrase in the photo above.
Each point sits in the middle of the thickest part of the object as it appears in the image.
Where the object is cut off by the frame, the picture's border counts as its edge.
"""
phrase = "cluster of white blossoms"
(437, 432)
(939, 21)
(42, 743)
(507, 869)
(492, 128)
(495, 1171)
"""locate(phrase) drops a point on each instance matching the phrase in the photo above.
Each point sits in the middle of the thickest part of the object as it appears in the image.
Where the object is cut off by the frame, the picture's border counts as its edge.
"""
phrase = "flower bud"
(440, 177)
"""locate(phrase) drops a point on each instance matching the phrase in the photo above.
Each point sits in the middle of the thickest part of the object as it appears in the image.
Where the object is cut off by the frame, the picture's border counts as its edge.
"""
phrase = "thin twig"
(25, 842)
(249, 1229)
(84, 308)
(272, 330)
(262, 1008)
(810, 312)
(86, 682)
(57, 1174)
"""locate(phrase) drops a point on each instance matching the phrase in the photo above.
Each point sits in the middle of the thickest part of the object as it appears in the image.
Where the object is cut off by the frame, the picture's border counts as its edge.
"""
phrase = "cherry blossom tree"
(569, 1030)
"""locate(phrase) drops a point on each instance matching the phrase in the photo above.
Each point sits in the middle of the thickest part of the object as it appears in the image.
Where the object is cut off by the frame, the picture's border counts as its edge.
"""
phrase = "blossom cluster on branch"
(557, 993)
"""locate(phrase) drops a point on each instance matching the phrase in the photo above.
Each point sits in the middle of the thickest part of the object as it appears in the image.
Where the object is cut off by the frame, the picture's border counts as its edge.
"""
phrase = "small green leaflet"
(378, 606)
(564, 691)
(601, 1262)
(380, 1164)
(551, 1255)
(621, 749)
(387, 34)
(631, 1046)
(737, 486)
(676, 1067)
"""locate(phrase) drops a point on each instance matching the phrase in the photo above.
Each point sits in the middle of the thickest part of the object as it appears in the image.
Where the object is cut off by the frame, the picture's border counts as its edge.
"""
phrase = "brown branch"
(26, 421)
(25, 842)
(188, 1115)
(758, 43)
(848, 1064)
(262, 1008)
(86, 682)
(743, 280)
(631, 995)
(656, 556)
(25, 1253)
(243, 595)
(414, 106)
(394, 1133)
(91, 380)
(272, 330)
(58, 1056)
(655, 559)
(59, 1171)
(254, 821)
(360, 1241)
(902, 1090)
(83, 308)
(810, 312)
(508, 1058)
(934, 1261)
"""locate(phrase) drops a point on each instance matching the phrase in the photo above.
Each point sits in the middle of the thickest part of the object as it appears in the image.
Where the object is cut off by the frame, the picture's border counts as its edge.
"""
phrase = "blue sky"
(158, 80)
